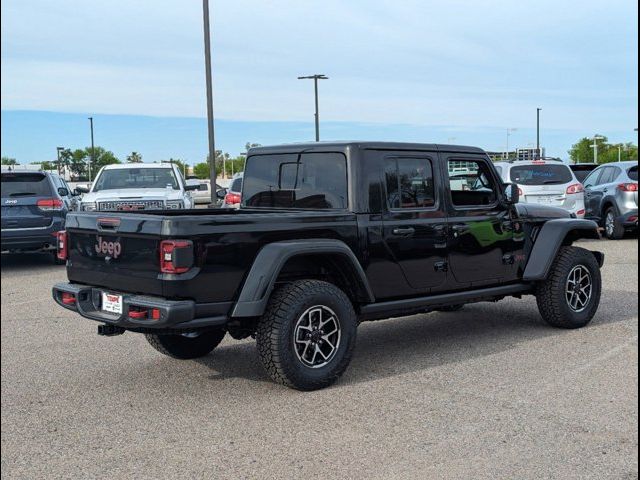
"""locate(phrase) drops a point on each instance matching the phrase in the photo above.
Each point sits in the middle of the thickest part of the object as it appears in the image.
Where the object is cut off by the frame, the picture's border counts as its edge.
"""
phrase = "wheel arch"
(555, 234)
(289, 259)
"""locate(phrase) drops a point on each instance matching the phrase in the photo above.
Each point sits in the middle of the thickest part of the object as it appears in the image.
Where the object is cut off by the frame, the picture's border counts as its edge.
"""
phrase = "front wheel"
(307, 335)
(187, 345)
(570, 296)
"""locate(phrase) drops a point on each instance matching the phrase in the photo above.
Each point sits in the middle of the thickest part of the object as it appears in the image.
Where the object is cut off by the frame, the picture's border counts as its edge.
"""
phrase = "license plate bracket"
(112, 303)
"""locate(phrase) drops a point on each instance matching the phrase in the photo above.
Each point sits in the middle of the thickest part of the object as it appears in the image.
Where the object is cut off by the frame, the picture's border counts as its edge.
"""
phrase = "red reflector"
(47, 204)
(155, 313)
(628, 187)
(232, 198)
(137, 313)
(580, 212)
(68, 298)
(63, 250)
(575, 188)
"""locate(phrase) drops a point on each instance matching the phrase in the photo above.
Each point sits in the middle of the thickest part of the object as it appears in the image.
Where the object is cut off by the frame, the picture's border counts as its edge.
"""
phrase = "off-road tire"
(551, 294)
(276, 330)
(185, 347)
(617, 232)
(451, 308)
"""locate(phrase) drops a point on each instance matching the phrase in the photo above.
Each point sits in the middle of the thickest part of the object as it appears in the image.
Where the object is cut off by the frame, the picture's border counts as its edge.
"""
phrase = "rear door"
(414, 224)
(21, 193)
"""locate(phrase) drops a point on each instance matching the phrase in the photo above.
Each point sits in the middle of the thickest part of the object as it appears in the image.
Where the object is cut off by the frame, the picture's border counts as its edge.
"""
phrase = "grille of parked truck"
(328, 235)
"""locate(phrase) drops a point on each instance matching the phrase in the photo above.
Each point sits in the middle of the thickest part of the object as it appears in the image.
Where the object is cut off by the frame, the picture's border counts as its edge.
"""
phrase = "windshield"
(136, 178)
(25, 185)
(309, 180)
(541, 174)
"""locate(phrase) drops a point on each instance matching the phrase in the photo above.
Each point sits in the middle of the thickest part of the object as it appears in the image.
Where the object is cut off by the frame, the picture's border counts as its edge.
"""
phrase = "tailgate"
(120, 252)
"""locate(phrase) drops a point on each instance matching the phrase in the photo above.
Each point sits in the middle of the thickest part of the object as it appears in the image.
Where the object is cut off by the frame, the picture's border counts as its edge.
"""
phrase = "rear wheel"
(613, 229)
(187, 345)
(307, 335)
(570, 296)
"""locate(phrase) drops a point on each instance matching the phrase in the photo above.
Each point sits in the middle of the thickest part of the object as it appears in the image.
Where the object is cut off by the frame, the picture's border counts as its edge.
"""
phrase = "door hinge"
(441, 267)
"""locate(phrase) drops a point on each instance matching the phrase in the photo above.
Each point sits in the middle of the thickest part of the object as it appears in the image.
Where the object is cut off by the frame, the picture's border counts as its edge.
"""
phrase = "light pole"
(315, 78)
(509, 132)
(93, 148)
(58, 150)
(538, 133)
(595, 147)
(209, 82)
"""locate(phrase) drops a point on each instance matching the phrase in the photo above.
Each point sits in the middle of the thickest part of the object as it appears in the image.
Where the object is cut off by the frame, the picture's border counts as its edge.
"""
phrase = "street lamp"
(315, 79)
(538, 133)
(92, 159)
(509, 132)
(595, 147)
(58, 150)
(209, 82)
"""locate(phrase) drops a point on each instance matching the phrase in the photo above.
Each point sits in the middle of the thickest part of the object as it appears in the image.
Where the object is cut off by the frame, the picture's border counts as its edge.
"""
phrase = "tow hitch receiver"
(107, 330)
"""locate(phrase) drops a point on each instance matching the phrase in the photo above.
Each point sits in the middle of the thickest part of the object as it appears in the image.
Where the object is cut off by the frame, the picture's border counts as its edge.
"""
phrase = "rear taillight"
(628, 187)
(520, 192)
(62, 247)
(575, 188)
(49, 204)
(68, 298)
(232, 198)
(176, 256)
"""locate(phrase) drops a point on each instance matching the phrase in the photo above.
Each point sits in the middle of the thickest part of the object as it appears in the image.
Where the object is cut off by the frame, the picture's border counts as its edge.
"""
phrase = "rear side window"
(609, 175)
(633, 173)
(409, 183)
(236, 185)
(25, 185)
(307, 181)
(203, 187)
(546, 174)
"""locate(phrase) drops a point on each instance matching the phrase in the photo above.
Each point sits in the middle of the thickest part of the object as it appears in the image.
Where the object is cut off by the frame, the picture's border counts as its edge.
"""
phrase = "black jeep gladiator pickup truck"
(328, 235)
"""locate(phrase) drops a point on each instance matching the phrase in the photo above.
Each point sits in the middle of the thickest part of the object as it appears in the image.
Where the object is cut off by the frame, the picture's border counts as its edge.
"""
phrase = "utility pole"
(58, 150)
(595, 147)
(538, 152)
(509, 132)
(209, 82)
(92, 159)
(315, 79)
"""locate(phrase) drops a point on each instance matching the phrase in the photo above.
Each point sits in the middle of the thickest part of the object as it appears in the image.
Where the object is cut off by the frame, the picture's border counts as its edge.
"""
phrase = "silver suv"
(546, 183)
(611, 192)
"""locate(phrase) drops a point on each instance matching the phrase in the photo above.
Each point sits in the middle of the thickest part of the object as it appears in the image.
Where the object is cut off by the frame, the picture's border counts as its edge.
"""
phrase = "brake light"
(62, 247)
(68, 298)
(575, 188)
(628, 187)
(232, 198)
(176, 256)
(49, 204)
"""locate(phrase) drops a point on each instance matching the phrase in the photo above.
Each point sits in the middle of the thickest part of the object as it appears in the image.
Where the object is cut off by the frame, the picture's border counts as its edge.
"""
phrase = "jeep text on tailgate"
(328, 235)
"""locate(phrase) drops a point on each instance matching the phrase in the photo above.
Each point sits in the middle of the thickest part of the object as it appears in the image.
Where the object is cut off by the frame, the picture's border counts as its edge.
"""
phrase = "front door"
(414, 223)
(485, 244)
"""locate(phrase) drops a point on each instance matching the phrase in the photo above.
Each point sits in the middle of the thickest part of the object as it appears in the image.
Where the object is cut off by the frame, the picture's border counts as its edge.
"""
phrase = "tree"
(583, 152)
(134, 157)
(9, 161)
(249, 145)
(46, 165)
(201, 170)
(79, 161)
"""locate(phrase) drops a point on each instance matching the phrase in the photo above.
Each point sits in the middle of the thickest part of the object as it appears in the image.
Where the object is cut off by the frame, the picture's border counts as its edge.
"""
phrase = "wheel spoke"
(313, 347)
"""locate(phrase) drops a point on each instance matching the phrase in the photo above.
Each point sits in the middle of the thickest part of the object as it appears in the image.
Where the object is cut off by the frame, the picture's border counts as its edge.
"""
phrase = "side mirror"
(80, 190)
(63, 192)
(511, 194)
(221, 193)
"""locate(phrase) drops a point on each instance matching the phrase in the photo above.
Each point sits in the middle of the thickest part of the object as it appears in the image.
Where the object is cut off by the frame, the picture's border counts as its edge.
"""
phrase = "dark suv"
(34, 207)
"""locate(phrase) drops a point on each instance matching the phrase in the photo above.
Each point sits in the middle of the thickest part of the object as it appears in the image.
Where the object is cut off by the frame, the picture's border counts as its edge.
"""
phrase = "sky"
(451, 72)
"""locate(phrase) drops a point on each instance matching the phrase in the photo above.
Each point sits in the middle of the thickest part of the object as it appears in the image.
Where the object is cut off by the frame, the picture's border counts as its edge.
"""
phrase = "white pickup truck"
(137, 186)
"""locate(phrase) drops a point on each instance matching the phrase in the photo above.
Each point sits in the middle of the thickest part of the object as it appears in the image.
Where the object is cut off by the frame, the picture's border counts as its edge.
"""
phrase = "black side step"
(382, 309)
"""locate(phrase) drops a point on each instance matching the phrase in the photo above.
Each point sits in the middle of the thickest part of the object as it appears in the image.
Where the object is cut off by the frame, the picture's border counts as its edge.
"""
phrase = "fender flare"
(550, 239)
(267, 265)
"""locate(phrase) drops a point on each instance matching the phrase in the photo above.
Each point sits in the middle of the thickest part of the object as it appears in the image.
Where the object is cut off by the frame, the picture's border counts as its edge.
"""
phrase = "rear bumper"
(40, 238)
(629, 219)
(182, 315)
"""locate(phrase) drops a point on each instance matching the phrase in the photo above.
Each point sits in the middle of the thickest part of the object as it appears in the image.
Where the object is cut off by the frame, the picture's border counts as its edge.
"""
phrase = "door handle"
(403, 231)
(460, 228)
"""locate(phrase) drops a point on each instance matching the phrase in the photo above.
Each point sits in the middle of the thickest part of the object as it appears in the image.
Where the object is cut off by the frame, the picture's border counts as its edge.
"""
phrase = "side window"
(409, 183)
(593, 178)
(615, 173)
(607, 176)
(471, 183)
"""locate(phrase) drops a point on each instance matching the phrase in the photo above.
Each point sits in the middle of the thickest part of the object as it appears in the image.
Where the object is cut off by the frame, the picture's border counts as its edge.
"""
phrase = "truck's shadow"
(399, 346)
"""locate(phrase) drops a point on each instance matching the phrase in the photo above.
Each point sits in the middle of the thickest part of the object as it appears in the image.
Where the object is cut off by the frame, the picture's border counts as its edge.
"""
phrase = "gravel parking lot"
(487, 392)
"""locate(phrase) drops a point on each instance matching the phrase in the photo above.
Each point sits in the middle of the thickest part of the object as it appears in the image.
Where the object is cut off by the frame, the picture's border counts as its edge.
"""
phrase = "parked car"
(328, 235)
(34, 207)
(545, 182)
(582, 170)
(612, 197)
(233, 197)
(202, 195)
(137, 186)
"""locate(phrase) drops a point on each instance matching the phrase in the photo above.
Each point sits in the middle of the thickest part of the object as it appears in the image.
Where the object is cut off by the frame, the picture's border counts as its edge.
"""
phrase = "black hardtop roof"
(343, 146)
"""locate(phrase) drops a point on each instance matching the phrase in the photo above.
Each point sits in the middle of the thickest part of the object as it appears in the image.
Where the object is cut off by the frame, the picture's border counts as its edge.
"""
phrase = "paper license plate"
(111, 303)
